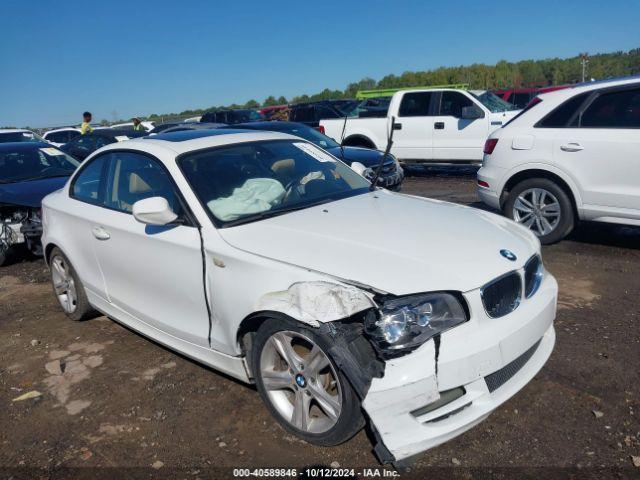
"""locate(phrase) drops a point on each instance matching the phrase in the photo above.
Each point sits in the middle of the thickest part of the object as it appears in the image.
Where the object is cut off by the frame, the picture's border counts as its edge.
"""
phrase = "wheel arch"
(559, 179)
(358, 140)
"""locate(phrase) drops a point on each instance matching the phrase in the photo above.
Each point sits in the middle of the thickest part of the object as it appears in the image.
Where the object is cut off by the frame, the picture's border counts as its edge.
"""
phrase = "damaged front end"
(20, 225)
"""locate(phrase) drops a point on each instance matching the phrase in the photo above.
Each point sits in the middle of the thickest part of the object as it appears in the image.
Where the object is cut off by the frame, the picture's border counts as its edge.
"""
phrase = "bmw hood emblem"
(508, 254)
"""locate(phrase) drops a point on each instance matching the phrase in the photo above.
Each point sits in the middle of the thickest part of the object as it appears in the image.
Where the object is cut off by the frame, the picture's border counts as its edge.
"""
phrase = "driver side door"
(153, 273)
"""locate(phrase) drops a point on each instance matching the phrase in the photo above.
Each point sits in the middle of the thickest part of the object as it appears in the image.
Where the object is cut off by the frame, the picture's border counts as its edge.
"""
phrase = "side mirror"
(154, 211)
(472, 113)
(358, 168)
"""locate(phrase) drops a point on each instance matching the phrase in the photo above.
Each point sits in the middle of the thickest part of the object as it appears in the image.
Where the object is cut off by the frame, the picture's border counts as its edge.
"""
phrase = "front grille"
(502, 295)
(502, 376)
(532, 275)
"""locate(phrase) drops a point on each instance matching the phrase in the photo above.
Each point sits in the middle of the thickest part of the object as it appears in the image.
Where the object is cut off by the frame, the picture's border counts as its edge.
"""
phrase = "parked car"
(148, 126)
(336, 299)
(163, 126)
(520, 97)
(230, 117)
(432, 125)
(84, 145)
(60, 136)
(363, 160)
(28, 172)
(268, 112)
(19, 135)
(312, 113)
(194, 126)
(571, 155)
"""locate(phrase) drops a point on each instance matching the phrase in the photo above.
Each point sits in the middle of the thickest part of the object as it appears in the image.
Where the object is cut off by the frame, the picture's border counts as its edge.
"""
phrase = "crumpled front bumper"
(491, 359)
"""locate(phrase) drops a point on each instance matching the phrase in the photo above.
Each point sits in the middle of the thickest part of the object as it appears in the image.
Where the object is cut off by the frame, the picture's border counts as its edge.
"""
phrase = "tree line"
(525, 73)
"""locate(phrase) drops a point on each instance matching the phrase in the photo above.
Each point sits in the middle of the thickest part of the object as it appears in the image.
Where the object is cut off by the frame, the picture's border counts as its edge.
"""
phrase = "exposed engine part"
(20, 225)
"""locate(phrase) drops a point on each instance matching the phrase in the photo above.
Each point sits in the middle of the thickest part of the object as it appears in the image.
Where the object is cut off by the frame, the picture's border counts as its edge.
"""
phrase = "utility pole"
(584, 59)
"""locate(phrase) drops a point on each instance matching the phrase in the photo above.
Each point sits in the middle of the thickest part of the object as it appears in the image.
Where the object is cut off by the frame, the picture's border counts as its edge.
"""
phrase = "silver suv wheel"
(538, 210)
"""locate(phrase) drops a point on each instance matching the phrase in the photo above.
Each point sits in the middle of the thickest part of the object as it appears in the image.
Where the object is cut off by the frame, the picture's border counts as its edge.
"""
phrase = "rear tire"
(68, 288)
(332, 409)
(543, 207)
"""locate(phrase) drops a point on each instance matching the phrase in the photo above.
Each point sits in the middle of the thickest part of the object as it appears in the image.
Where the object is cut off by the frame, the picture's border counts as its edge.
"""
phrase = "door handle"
(438, 125)
(571, 147)
(100, 233)
(397, 126)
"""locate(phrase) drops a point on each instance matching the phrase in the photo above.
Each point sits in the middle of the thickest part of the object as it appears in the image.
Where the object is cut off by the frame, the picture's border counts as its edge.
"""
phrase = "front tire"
(543, 207)
(302, 386)
(68, 288)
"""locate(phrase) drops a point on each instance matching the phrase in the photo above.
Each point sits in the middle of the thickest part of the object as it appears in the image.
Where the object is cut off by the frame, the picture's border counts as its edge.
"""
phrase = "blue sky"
(122, 58)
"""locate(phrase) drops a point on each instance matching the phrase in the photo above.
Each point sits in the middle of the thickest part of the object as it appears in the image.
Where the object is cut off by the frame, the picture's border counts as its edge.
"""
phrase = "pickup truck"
(444, 125)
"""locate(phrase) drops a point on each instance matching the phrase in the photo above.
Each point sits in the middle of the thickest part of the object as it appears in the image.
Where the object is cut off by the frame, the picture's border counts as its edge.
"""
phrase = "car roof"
(14, 130)
(267, 125)
(177, 143)
(16, 146)
(588, 86)
(192, 126)
(62, 129)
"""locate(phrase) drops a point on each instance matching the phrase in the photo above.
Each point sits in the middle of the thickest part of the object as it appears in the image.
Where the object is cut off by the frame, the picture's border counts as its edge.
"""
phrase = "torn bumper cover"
(426, 397)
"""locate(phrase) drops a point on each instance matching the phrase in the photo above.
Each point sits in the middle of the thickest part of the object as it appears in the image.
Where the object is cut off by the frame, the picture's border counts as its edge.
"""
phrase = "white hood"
(392, 242)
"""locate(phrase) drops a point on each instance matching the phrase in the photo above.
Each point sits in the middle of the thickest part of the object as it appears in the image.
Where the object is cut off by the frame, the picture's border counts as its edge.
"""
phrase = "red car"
(520, 97)
(269, 111)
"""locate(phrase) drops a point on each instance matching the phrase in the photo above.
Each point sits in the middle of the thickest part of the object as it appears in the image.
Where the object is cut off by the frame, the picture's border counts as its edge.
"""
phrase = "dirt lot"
(138, 410)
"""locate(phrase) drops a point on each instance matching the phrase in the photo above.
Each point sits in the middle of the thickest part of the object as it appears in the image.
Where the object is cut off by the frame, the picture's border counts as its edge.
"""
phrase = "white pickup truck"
(443, 125)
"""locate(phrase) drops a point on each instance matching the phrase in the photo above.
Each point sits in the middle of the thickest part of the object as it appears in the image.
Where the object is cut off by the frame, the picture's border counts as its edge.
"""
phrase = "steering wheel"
(291, 191)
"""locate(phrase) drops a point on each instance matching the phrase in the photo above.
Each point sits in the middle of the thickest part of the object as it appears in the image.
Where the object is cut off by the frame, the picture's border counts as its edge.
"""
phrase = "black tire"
(4, 257)
(350, 420)
(567, 215)
(83, 309)
(359, 142)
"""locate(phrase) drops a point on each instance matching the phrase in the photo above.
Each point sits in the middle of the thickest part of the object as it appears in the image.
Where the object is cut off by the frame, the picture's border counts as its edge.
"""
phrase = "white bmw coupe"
(262, 256)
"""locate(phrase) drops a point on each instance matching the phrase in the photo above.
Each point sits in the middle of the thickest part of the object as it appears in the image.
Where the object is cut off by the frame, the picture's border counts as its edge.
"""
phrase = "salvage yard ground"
(107, 397)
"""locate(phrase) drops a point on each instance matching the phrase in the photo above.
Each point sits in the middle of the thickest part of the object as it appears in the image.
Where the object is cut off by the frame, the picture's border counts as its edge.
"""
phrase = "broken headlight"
(407, 322)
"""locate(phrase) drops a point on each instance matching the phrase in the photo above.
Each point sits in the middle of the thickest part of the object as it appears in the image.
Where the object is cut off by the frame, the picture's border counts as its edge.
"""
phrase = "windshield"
(310, 134)
(6, 137)
(34, 163)
(252, 181)
(494, 103)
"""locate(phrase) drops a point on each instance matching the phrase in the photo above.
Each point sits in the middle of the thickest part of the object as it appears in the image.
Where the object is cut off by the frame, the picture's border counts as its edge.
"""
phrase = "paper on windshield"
(51, 151)
(256, 195)
(315, 152)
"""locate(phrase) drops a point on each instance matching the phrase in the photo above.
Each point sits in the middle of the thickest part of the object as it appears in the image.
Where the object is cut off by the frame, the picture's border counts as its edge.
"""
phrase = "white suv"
(571, 154)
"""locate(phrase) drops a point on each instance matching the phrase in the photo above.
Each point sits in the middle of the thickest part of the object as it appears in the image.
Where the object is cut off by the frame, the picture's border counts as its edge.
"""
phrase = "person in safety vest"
(137, 125)
(86, 123)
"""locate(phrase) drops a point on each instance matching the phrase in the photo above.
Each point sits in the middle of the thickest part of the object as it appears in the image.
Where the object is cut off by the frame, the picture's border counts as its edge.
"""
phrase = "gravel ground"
(114, 400)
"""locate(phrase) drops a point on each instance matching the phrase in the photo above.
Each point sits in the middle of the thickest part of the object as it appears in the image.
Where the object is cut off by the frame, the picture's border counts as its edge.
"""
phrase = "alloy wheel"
(63, 284)
(538, 210)
(301, 382)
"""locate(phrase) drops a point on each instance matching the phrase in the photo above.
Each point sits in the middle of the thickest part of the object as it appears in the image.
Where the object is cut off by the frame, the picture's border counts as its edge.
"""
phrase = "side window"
(520, 99)
(560, 117)
(415, 104)
(613, 110)
(102, 141)
(72, 134)
(324, 112)
(133, 177)
(87, 186)
(452, 104)
(302, 114)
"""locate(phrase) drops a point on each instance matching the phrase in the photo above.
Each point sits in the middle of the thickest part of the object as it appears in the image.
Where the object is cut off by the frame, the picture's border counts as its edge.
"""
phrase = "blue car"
(391, 175)
(29, 171)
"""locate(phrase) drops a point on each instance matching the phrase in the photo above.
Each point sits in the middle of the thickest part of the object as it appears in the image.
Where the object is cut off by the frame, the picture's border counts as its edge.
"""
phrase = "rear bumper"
(490, 366)
(493, 177)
